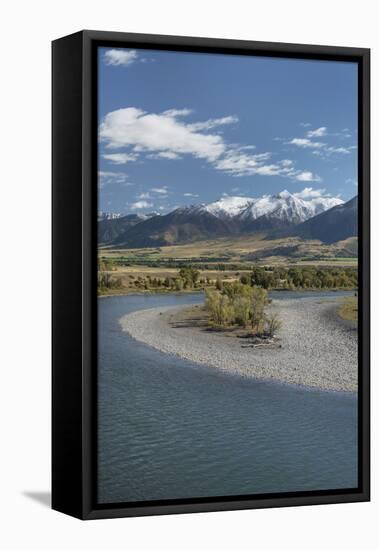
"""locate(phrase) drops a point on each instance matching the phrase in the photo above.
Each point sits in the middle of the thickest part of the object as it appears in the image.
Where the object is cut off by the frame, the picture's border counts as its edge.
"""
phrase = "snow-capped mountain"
(227, 207)
(286, 208)
(226, 217)
(283, 206)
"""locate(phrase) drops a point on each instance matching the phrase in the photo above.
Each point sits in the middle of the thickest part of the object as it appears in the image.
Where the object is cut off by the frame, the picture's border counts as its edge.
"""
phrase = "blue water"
(171, 429)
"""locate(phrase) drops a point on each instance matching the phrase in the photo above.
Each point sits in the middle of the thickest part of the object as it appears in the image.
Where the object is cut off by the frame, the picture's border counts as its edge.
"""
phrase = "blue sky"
(178, 128)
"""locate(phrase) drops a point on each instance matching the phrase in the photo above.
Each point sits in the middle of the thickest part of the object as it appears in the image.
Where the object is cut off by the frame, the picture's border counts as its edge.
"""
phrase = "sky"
(182, 128)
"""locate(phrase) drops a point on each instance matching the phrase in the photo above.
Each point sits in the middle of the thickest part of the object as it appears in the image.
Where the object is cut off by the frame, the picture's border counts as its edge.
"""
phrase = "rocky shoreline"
(317, 349)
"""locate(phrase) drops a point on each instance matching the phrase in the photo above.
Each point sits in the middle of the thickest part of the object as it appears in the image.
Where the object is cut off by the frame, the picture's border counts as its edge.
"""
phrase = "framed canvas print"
(210, 274)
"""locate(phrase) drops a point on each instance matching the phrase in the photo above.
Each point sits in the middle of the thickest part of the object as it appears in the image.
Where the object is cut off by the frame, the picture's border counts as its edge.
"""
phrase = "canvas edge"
(84, 506)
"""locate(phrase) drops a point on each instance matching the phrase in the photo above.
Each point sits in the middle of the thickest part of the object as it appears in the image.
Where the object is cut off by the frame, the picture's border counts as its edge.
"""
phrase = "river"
(171, 429)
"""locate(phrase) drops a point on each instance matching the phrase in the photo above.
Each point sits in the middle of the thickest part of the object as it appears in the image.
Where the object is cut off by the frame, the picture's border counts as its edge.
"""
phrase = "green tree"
(258, 300)
(189, 275)
(219, 307)
(241, 305)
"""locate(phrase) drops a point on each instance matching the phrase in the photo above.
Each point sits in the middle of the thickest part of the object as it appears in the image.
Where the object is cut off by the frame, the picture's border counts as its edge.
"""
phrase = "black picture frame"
(74, 204)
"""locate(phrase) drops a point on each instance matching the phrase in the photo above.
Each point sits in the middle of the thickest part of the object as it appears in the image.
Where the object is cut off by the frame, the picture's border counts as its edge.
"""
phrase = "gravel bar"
(317, 350)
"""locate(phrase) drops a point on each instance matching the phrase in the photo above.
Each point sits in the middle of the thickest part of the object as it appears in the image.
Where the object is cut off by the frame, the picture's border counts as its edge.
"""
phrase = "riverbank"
(317, 350)
(128, 292)
(153, 291)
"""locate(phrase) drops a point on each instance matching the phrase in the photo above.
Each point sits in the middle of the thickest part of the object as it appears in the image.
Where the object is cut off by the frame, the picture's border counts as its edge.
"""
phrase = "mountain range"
(323, 218)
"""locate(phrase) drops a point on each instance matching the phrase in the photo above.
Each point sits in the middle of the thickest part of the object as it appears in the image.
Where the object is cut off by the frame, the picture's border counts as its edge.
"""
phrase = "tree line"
(269, 278)
(302, 277)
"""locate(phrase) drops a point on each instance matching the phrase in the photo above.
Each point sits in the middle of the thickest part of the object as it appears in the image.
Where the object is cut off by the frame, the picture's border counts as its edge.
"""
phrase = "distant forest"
(304, 277)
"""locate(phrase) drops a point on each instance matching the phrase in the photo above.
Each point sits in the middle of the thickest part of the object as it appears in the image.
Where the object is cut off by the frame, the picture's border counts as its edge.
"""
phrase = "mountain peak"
(228, 206)
(284, 194)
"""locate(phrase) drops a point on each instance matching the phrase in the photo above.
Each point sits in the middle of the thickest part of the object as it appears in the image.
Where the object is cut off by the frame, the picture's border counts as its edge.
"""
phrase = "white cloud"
(157, 133)
(269, 170)
(122, 57)
(310, 193)
(166, 135)
(241, 164)
(213, 123)
(177, 112)
(319, 132)
(190, 195)
(306, 143)
(305, 124)
(106, 178)
(144, 196)
(326, 152)
(306, 176)
(167, 155)
(159, 190)
(320, 149)
(120, 158)
(344, 133)
(341, 150)
(140, 204)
